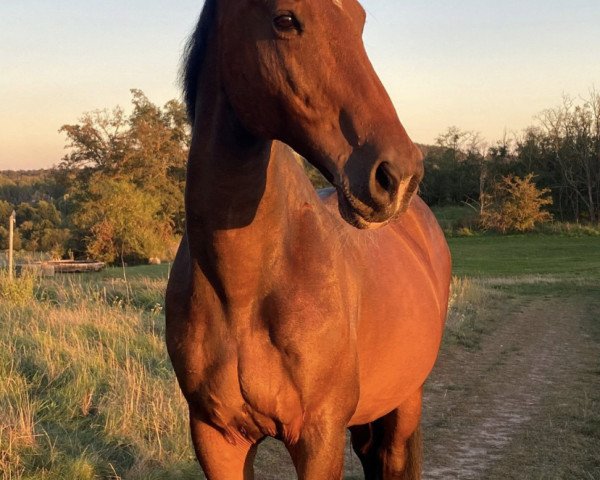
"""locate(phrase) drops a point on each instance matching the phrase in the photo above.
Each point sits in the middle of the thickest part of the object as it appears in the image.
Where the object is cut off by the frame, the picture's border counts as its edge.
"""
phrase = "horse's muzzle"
(388, 195)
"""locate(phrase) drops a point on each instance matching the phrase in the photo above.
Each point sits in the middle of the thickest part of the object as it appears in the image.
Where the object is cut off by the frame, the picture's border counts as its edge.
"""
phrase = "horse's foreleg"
(400, 452)
(319, 454)
(220, 459)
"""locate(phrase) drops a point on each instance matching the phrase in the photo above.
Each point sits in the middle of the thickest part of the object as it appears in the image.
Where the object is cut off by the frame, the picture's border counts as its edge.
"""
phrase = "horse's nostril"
(385, 179)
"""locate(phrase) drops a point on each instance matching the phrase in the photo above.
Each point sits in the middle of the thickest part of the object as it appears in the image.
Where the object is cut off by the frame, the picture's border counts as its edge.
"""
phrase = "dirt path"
(478, 405)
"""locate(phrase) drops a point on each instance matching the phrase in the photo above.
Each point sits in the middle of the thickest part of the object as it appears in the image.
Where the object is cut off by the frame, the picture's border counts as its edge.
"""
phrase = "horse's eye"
(285, 22)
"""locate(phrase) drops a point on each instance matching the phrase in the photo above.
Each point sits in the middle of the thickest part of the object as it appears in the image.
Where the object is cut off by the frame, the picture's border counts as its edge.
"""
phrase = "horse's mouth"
(364, 217)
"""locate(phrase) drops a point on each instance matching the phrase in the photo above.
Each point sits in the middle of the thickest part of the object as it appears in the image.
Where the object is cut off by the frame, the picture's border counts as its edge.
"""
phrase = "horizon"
(484, 68)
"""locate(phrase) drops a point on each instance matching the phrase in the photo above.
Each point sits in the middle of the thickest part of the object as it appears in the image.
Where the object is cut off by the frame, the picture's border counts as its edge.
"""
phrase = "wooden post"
(11, 223)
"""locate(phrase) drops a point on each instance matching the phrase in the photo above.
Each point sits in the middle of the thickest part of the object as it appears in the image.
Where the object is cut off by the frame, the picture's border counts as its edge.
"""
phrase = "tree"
(149, 148)
(562, 149)
(122, 221)
(515, 204)
(453, 168)
(143, 153)
(571, 140)
(4, 239)
(40, 228)
(6, 210)
(157, 153)
(28, 186)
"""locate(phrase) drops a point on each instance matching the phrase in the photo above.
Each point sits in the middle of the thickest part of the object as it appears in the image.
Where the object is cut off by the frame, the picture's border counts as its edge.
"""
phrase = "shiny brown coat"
(290, 315)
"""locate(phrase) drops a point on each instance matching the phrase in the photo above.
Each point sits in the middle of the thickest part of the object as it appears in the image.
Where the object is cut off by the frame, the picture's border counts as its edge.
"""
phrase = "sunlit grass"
(86, 388)
(18, 290)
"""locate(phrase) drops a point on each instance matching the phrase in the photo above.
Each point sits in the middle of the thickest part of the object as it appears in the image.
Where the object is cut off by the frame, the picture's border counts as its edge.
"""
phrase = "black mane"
(194, 54)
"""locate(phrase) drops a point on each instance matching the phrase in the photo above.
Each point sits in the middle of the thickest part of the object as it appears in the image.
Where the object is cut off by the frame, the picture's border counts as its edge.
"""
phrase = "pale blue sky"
(482, 65)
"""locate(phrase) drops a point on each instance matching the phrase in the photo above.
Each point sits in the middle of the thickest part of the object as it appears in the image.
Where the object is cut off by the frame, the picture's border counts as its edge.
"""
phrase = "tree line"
(561, 151)
(117, 194)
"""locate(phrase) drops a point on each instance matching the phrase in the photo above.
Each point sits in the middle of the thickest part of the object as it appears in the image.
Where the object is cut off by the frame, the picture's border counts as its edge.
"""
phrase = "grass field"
(87, 391)
(513, 266)
(532, 254)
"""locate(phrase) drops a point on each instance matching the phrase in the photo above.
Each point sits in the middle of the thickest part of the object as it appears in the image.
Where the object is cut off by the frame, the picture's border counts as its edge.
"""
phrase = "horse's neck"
(230, 178)
(241, 202)
(241, 195)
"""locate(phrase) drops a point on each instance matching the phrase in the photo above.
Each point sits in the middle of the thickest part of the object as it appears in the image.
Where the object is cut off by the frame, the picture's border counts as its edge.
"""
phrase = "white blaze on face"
(339, 3)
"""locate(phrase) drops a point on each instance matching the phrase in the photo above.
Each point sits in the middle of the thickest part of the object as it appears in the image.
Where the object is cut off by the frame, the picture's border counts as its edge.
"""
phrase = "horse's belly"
(392, 368)
(398, 339)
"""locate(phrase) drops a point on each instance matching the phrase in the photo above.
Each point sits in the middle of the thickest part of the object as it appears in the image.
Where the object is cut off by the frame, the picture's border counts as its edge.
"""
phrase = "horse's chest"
(246, 390)
(248, 368)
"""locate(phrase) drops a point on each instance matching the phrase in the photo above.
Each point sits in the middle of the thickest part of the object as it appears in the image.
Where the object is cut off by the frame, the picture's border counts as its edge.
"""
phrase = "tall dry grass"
(86, 389)
(18, 290)
(470, 304)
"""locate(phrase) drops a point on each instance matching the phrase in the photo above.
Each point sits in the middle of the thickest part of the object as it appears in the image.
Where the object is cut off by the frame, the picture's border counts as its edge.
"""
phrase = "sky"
(482, 65)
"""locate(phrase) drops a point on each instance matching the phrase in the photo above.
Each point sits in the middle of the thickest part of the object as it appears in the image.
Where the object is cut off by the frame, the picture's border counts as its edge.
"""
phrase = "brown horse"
(284, 320)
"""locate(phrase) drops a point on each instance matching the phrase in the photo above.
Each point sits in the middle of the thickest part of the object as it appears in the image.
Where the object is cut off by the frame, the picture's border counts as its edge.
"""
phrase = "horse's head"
(297, 71)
